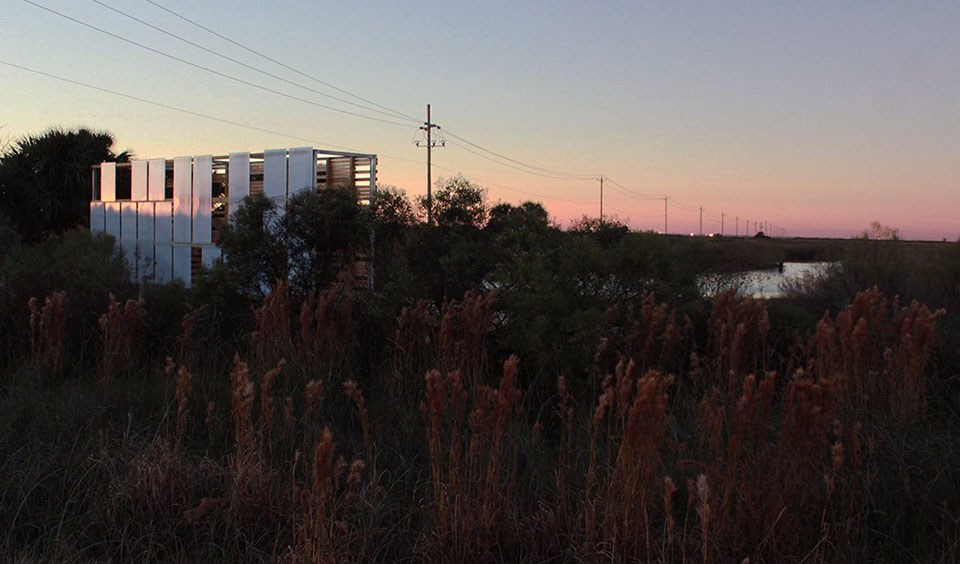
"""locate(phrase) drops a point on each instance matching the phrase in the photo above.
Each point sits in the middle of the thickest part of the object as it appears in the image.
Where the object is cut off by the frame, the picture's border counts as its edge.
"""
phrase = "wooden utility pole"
(701, 221)
(429, 126)
(665, 198)
(722, 217)
(601, 199)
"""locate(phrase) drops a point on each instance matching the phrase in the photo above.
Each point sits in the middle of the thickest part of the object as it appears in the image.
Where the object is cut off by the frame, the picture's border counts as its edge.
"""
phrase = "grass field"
(311, 439)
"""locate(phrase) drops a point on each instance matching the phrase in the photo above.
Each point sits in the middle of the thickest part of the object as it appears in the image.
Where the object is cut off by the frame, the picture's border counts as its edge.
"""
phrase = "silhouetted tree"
(45, 179)
(308, 245)
(458, 201)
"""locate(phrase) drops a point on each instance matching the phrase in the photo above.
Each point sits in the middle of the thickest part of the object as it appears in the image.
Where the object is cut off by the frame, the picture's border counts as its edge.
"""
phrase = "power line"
(542, 170)
(522, 166)
(193, 113)
(536, 170)
(688, 208)
(264, 130)
(640, 195)
(482, 181)
(482, 156)
(208, 69)
(236, 61)
(275, 61)
(539, 170)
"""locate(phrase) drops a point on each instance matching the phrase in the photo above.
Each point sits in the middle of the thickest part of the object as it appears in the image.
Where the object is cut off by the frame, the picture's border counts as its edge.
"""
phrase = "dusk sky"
(815, 116)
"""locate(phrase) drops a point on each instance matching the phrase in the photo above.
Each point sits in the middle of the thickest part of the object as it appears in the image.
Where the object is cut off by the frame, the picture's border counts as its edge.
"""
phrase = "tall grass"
(678, 447)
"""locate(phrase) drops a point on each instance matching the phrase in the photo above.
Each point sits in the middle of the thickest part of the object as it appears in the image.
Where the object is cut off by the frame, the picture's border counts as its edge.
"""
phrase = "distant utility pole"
(737, 232)
(601, 199)
(665, 198)
(428, 126)
(722, 216)
(701, 221)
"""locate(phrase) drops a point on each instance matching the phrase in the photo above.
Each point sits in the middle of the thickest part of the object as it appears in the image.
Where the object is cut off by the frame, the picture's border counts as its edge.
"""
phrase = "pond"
(767, 283)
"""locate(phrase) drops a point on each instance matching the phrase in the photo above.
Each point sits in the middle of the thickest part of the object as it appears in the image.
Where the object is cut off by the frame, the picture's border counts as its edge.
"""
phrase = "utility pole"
(722, 216)
(601, 199)
(701, 221)
(429, 126)
(665, 198)
(737, 232)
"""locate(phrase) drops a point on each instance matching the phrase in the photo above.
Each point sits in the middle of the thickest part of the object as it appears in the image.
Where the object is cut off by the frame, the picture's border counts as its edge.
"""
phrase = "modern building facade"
(167, 214)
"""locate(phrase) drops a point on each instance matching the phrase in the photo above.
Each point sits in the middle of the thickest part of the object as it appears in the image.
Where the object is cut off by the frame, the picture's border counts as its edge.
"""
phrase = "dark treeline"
(506, 391)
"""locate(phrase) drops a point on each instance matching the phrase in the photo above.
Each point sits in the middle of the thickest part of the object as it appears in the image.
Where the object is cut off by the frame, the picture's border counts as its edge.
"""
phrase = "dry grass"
(48, 329)
(686, 454)
(120, 332)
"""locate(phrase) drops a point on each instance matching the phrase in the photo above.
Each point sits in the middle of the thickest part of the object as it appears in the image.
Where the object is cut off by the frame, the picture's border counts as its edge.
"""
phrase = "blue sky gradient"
(815, 116)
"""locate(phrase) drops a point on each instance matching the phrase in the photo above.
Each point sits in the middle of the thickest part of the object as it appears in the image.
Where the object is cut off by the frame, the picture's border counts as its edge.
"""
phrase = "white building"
(167, 214)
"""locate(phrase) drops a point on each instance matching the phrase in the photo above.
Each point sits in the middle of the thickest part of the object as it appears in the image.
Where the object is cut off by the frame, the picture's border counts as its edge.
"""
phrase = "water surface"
(766, 283)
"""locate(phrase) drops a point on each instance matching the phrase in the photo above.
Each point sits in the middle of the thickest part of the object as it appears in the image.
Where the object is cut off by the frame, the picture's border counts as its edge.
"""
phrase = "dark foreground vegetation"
(507, 392)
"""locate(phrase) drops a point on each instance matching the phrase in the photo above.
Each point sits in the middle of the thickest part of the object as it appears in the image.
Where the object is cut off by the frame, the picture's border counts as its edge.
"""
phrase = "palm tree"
(45, 179)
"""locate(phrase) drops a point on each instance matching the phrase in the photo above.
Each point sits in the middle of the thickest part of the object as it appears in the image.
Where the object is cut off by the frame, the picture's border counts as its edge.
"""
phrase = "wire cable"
(688, 208)
(482, 181)
(241, 63)
(197, 114)
(633, 192)
(264, 130)
(213, 71)
(545, 171)
(275, 61)
(482, 156)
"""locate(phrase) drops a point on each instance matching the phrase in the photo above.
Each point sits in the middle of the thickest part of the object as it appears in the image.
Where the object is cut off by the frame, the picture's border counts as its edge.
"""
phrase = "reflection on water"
(768, 283)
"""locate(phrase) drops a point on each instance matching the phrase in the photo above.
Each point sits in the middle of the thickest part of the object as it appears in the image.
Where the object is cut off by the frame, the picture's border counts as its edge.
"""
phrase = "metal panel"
(182, 199)
(146, 251)
(182, 263)
(275, 176)
(157, 179)
(138, 181)
(128, 236)
(303, 170)
(96, 217)
(239, 181)
(112, 219)
(163, 235)
(210, 256)
(202, 199)
(373, 179)
(108, 182)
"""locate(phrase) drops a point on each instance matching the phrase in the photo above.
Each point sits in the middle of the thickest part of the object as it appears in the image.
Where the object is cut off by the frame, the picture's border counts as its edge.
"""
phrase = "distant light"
(691, 234)
(709, 234)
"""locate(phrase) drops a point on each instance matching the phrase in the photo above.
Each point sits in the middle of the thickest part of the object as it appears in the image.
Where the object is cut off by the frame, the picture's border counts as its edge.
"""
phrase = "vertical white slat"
(163, 238)
(112, 219)
(108, 182)
(157, 179)
(182, 263)
(138, 181)
(210, 255)
(96, 218)
(239, 181)
(202, 199)
(373, 179)
(275, 177)
(182, 200)
(128, 236)
(371, 272)
(303, 170)
(146, 252)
